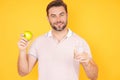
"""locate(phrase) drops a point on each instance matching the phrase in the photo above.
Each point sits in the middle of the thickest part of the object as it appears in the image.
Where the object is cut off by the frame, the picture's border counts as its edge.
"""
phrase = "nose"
(58, 19)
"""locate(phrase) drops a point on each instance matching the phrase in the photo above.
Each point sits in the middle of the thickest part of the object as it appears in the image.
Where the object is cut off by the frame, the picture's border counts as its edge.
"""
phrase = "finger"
(22, 44)
(78, 57)
(81, 56)
(84, 60)
(22, 37)
(22, 41)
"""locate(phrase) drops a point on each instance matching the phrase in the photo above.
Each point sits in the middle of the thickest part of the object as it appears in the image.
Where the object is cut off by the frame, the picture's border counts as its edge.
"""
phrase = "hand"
(23, 43)
(81, 56)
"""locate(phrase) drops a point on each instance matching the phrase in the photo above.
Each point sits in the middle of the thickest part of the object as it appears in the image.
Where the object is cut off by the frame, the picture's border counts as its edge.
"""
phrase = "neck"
(59, 35)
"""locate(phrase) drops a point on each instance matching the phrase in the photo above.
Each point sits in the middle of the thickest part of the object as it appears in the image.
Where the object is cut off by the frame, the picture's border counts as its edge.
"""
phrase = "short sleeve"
(86, 48)
(33, 49)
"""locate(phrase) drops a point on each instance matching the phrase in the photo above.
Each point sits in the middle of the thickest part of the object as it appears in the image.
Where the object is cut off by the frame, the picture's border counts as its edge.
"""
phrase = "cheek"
(52, 21)
(64, 19)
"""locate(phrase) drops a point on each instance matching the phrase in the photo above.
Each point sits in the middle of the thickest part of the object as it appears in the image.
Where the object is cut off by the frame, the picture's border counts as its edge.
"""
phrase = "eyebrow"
(59, 13)
(62, 12)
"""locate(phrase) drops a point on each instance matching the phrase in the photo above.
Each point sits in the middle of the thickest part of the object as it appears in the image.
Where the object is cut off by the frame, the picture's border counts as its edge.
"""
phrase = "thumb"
(22, 35)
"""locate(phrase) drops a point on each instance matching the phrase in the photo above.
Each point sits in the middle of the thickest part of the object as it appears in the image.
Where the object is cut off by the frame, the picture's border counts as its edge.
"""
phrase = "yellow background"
(97, 21)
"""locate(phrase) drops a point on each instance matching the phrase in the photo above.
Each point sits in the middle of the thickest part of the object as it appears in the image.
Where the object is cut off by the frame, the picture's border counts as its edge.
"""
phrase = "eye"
(53, 16)
(61, 14)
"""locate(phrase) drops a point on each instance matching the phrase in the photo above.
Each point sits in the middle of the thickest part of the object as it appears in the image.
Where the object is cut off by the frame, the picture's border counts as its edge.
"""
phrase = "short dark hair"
(56, 3)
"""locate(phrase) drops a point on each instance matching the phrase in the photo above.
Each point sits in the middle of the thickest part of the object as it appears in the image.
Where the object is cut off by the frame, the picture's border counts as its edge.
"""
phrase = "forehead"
(56, 10)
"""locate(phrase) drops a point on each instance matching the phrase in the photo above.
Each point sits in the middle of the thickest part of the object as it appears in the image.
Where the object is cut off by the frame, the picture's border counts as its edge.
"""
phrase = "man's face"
(57, 17)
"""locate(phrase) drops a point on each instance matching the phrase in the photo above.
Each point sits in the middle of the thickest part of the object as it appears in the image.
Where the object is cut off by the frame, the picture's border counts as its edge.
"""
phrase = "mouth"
(59, 23)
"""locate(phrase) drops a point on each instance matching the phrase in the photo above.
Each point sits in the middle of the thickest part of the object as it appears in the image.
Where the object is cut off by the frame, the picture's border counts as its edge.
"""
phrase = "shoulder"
(79, 39)
(39, 39)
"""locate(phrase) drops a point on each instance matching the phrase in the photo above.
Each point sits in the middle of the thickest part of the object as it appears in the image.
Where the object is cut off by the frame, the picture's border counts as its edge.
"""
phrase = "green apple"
(28, 35)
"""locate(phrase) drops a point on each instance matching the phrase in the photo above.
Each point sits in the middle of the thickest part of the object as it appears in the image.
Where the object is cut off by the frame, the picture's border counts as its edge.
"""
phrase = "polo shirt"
(56, 59)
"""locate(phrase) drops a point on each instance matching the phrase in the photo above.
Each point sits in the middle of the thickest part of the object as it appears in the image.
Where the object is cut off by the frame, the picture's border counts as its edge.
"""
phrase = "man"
(58, 52)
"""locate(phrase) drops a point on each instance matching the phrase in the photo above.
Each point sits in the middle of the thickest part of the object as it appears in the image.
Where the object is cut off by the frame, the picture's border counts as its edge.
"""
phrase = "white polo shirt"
(56, 59)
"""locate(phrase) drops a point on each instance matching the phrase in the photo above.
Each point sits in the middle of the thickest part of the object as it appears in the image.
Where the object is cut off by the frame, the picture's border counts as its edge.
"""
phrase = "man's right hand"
(23, 43)
(25, 62)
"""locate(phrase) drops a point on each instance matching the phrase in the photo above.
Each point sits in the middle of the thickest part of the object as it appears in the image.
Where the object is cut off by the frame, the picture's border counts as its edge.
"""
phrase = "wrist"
(23, 51)
(86, 63)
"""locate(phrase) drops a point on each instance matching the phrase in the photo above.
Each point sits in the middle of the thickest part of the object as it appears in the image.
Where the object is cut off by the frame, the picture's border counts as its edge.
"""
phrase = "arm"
(91, 69)
(83, 55)
(88, 64)
(25, 62)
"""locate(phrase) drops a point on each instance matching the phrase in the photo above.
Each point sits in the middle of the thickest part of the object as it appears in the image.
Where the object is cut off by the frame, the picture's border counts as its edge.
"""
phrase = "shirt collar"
(69, 34)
